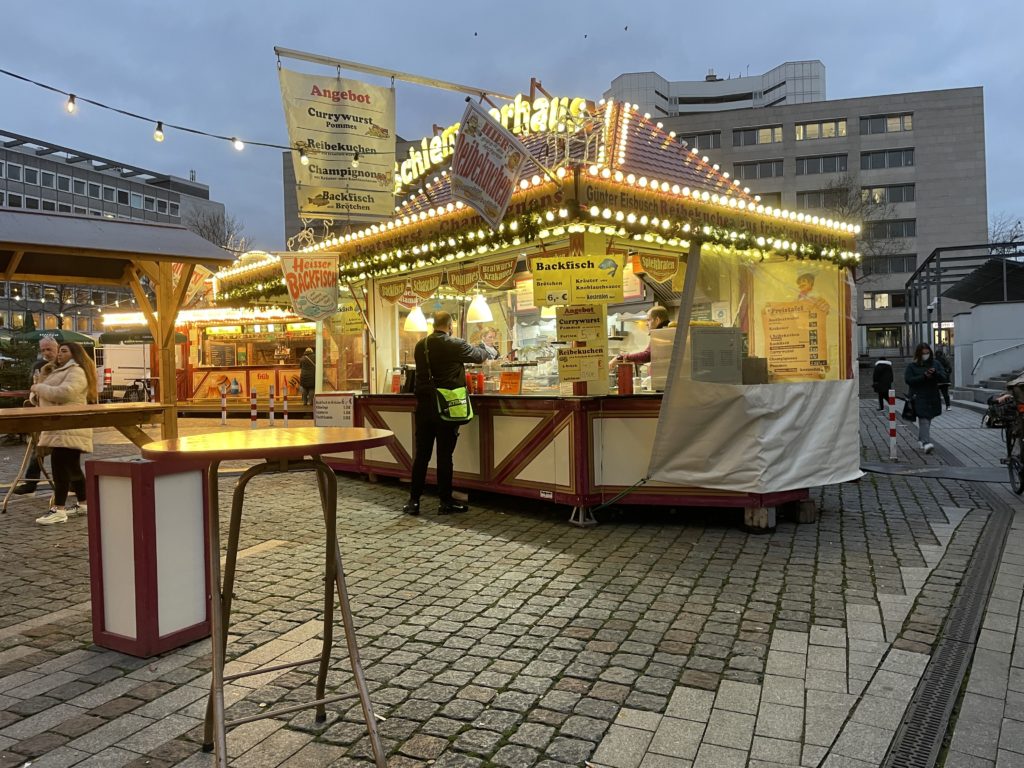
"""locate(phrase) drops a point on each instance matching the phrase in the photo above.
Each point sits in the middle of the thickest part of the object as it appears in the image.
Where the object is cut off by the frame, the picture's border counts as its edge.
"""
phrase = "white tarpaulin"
(759, 438)
(347, 131)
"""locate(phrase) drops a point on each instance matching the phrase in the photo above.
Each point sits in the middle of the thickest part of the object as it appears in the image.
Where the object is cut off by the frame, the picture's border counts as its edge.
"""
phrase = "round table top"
(267, 443)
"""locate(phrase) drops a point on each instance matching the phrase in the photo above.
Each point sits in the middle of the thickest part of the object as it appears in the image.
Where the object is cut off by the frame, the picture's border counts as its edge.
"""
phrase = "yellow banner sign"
(580, 275)
(392, 290)
(582, 323)
(497, 273)
(424, 286)
(582, 364)
(464, 278)
(797, 343)
(659, 266)
(351, 319)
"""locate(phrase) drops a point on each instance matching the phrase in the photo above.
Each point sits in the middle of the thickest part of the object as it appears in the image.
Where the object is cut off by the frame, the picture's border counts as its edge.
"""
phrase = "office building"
(40, 176)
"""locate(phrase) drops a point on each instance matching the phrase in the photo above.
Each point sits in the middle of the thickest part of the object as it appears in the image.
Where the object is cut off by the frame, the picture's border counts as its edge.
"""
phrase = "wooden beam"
(147, 268)
(12, 267)
(143, 301)
(178, 298)
(65, 279)
(166, 316)
(94, 253)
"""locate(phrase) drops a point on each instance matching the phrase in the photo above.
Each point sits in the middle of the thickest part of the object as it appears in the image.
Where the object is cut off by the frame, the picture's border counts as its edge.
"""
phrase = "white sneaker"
(947, 407)
(55, 515)
(928, 447)
(78, 508)
(920, 445)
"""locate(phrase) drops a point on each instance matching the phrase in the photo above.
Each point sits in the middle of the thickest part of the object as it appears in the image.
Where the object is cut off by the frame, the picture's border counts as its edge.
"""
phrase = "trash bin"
(147, 554)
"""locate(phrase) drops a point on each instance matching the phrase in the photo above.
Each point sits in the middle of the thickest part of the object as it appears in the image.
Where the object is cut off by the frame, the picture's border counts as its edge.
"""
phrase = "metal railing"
(981, 358)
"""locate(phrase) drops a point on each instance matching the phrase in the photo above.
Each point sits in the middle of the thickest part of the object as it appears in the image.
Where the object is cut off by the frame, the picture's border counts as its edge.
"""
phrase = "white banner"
(312, 284)
(347, 130)
(486, 164)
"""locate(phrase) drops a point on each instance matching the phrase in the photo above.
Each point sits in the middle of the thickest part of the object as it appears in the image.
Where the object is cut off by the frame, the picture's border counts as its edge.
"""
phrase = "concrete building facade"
(920, 157)
(40, 176)
(794, 82)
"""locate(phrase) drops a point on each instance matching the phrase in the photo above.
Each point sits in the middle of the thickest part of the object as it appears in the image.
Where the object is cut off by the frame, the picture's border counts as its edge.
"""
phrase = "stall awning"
(134, 337)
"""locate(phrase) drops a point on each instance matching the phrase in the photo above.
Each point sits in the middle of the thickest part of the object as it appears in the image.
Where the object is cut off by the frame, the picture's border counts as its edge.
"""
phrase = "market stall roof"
(45, 247)
(985, 284)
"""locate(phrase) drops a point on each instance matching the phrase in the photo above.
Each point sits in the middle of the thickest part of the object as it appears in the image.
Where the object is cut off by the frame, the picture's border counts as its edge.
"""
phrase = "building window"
(762, 169)
(888, 194)
(774, 199)
(891, 228)
(884, 336)
(78, 186)
(109, 194)
(31, 175)
(49, 205)
(63, 208)
(32, 203)
(95, 213)
(122, 197)
(820, 198)
(173, 209)
(63, 183)
(47, 179)
(827, 129)
(901, 263)
(94, 190)
(14, 201)
(886, 158)
(807, 166)
(1, 169)
(1, 197)
(745, 137)
(711, 140)
(80, 210)
(884, 300)
(13, 172)
(136, 200)
(161, 206)
(149, 204)
(887, 123)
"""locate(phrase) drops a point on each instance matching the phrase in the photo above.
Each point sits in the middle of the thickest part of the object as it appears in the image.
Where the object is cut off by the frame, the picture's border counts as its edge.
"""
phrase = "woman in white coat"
(72, 381)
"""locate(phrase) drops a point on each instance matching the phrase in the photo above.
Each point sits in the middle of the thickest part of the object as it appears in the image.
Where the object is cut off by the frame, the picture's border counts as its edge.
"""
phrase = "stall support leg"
(581, 517)
(806, 511)
(759, 519)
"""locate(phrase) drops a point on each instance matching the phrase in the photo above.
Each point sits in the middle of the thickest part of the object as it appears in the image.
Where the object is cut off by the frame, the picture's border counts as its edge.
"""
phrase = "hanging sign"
(392, 290)
(312, 283)
(582, 364)
(351, 319)
(196, 283)
(659, 267)
(572, 276)
(582, 323)
(631, 286)
(464, 278)
(347, 131)
(497, 273)
(486, 164)
(524, 293)
(424, 286)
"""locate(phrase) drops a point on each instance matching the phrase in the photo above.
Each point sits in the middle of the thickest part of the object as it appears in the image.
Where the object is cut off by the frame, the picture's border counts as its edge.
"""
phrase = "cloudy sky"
(209, 64)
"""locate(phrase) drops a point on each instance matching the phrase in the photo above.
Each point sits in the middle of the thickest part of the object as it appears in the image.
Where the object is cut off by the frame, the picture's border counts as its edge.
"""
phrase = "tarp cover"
(744, 437)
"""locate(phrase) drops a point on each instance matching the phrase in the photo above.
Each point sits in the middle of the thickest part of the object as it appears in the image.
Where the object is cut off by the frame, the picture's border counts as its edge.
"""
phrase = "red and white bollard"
(892, 425)
(223, 406)
(252, 408)
(284, 406)
(270, 407)
(108, 378)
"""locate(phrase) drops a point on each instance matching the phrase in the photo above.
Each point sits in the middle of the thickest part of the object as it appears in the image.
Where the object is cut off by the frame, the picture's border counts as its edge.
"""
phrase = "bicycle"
(137, 392)
(1013, 435)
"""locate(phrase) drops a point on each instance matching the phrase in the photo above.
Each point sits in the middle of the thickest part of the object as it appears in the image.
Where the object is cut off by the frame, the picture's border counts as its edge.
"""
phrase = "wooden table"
(282, 450)
(126, 418)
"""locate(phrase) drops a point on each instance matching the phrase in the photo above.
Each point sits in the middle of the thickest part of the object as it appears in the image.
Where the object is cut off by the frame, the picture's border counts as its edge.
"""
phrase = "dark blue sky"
(211, 65)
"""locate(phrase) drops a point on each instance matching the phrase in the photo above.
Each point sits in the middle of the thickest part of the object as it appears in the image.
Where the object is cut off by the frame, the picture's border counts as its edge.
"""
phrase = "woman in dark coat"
(924, 375)
(881, 381)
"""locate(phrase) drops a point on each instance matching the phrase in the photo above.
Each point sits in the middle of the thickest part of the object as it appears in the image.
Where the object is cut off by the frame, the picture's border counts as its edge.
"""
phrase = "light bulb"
(303, 157)
(238, 144)
(71, 106)
(158, 134)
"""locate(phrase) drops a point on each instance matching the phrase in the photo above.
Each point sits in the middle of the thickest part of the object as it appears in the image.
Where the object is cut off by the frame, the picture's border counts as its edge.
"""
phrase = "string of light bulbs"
(71, 106)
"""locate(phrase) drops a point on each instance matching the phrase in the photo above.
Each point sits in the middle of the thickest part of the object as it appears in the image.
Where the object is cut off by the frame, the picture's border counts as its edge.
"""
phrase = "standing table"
(282, 450)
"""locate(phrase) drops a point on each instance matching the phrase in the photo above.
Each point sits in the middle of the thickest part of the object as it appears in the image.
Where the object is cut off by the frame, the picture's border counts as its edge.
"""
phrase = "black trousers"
(944, 389)
(67, 474)
(883, 400)
(430, 429)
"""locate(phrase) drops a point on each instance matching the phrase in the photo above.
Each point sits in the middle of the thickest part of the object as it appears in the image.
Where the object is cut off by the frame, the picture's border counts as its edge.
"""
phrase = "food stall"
(615, 210)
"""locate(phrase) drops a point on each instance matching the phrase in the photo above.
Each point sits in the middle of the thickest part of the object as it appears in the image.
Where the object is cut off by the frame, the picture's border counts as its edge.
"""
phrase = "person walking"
(307, 376)
(71, 382)
(47, 354)
(940, 356)
(448, 356)
(881, 381)
(923, 376)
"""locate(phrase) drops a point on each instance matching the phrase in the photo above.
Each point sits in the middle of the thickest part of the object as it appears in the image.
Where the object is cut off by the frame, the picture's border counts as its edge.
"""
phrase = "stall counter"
(576, 451)
(241, 380)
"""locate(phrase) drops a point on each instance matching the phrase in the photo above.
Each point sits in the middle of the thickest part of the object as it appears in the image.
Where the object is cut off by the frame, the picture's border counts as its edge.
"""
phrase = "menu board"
(796, 340)
(221, 354)
(511, 382)
(582, 323)
(582, 364)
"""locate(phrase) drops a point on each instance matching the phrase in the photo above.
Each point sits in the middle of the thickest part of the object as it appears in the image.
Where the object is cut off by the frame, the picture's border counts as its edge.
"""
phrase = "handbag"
(909, 412)
(453, 405)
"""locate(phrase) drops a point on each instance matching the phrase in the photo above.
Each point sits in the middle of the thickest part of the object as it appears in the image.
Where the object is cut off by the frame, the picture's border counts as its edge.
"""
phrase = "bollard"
(270, 407)
(284, 407)
(892, 425)
(252, 408)
(108, 378)
(223, 406)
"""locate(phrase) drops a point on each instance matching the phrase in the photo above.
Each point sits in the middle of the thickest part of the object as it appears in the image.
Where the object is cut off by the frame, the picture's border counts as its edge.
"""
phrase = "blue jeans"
(924, 430)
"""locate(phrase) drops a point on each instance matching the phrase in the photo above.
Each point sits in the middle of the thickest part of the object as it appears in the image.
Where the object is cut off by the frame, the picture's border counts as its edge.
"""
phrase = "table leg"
(228, 583)
(330, 567)
(330, 485)
(215, 738)
(21, 472)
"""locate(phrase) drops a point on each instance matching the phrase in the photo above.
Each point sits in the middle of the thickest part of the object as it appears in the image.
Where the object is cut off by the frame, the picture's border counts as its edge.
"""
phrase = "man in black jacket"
(307, 376)
(447, 358)
(881, 381)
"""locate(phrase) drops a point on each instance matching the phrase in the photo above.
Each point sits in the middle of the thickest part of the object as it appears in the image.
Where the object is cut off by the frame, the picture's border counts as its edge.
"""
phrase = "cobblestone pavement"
(504, 637)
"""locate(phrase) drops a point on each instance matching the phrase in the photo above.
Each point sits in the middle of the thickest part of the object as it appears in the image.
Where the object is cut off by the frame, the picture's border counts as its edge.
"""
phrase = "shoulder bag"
(909, 412)
(453, 405)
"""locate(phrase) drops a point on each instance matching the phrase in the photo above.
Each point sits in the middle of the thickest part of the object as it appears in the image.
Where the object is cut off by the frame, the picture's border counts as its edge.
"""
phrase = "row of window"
(890, 228)
(62, 183)
(817, 164)
(886, 300)
(900, 263)
(833, 198)
(52, 293)
(808, 131)
(18, 200)
(81, 323)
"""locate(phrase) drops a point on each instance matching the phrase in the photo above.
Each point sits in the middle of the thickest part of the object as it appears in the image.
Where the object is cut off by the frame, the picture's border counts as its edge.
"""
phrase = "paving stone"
(712, 756)
(677, 738)
(622, 747)
(690, 704)
(730, 729)
(779, 721)
(738, 697)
